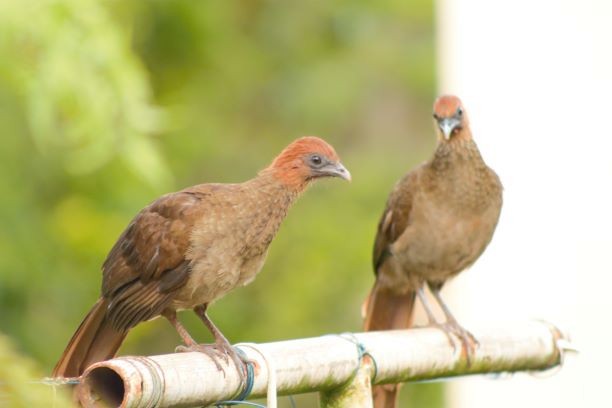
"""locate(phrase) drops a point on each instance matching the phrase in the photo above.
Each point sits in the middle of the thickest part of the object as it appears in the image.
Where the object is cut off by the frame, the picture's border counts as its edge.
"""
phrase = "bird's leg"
(190, 343)
(222, 345)
(171, 316)
(430, 316)
(451, 325)
(426, 306)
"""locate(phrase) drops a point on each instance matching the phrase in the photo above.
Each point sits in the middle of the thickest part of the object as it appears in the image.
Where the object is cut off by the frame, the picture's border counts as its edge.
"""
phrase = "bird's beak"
(447, 125)
(336, 170)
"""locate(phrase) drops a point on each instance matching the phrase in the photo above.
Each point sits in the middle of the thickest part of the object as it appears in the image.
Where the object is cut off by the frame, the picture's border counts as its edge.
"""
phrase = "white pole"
(318, 364)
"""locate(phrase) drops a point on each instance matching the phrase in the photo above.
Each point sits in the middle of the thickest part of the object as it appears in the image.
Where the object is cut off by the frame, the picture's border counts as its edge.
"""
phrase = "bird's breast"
(442, 241)
(228, 250)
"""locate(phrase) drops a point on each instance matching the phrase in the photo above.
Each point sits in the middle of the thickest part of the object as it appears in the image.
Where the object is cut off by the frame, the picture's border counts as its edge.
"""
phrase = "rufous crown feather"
(305, 160)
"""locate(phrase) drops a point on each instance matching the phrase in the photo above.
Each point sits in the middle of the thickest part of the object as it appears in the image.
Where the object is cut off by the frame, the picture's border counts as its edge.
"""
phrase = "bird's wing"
(147, 264)
(389, 305)
(395, 218)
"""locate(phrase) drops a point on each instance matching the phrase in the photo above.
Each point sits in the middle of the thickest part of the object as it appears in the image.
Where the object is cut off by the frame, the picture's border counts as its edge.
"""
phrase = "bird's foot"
(211, 350)
(220, 352)
(469, 344)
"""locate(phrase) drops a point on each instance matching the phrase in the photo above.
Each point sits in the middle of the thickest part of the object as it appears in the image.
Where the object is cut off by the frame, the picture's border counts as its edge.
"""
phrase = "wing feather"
(147, 263)
(395, 218)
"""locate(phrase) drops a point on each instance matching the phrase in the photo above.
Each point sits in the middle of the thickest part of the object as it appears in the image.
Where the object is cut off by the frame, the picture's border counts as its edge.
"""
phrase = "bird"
(438, 220)
(189, 248)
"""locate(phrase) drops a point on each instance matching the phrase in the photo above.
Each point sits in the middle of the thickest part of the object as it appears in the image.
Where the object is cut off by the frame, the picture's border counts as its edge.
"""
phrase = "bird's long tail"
(95, 340)
(387, 310)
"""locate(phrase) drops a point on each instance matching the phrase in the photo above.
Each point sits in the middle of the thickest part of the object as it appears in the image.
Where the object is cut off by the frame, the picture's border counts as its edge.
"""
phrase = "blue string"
(361, 353)
(246, 391)
(234, 402)
(252, 404)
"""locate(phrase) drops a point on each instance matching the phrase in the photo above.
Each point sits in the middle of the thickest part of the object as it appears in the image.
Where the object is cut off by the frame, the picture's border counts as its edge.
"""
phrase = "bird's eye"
(316, 160)
(436, 117)
(459, 111)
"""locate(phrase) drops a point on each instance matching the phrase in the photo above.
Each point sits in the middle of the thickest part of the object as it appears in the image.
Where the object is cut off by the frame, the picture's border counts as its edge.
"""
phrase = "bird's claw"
(469, 343)
(213, 351)
(217, 352)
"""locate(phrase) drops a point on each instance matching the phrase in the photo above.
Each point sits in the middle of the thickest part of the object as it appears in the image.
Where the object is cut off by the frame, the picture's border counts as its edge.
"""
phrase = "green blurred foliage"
(105, 105)
(21, 385)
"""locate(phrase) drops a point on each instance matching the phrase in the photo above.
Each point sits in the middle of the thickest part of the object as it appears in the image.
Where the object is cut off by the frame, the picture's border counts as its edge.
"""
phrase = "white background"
(535, 77)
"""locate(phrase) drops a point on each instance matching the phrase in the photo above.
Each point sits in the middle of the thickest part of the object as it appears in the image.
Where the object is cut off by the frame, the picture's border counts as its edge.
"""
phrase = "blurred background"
(105, 105)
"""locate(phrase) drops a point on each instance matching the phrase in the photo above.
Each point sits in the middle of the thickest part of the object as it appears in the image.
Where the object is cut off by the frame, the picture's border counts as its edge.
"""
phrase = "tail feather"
(387, 310)
(95, 340)
(385, 396)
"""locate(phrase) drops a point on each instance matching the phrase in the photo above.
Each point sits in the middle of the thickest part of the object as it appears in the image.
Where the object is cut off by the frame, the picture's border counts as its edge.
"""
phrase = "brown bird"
(438, 219)
(187, 249)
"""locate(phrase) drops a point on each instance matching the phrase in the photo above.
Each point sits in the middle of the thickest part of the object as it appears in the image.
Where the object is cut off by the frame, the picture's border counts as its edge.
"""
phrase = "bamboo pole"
(327, 364)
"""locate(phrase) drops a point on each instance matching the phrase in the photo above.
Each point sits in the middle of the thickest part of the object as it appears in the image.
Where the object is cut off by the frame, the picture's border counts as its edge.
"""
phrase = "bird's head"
(451, 119)
(307, 159)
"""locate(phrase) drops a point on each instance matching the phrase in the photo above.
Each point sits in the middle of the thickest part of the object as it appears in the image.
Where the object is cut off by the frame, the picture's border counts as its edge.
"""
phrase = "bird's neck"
(454, 154)
(288, 179)
(274, 196)
(269, 187)
(457, 174)
(268, 201)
